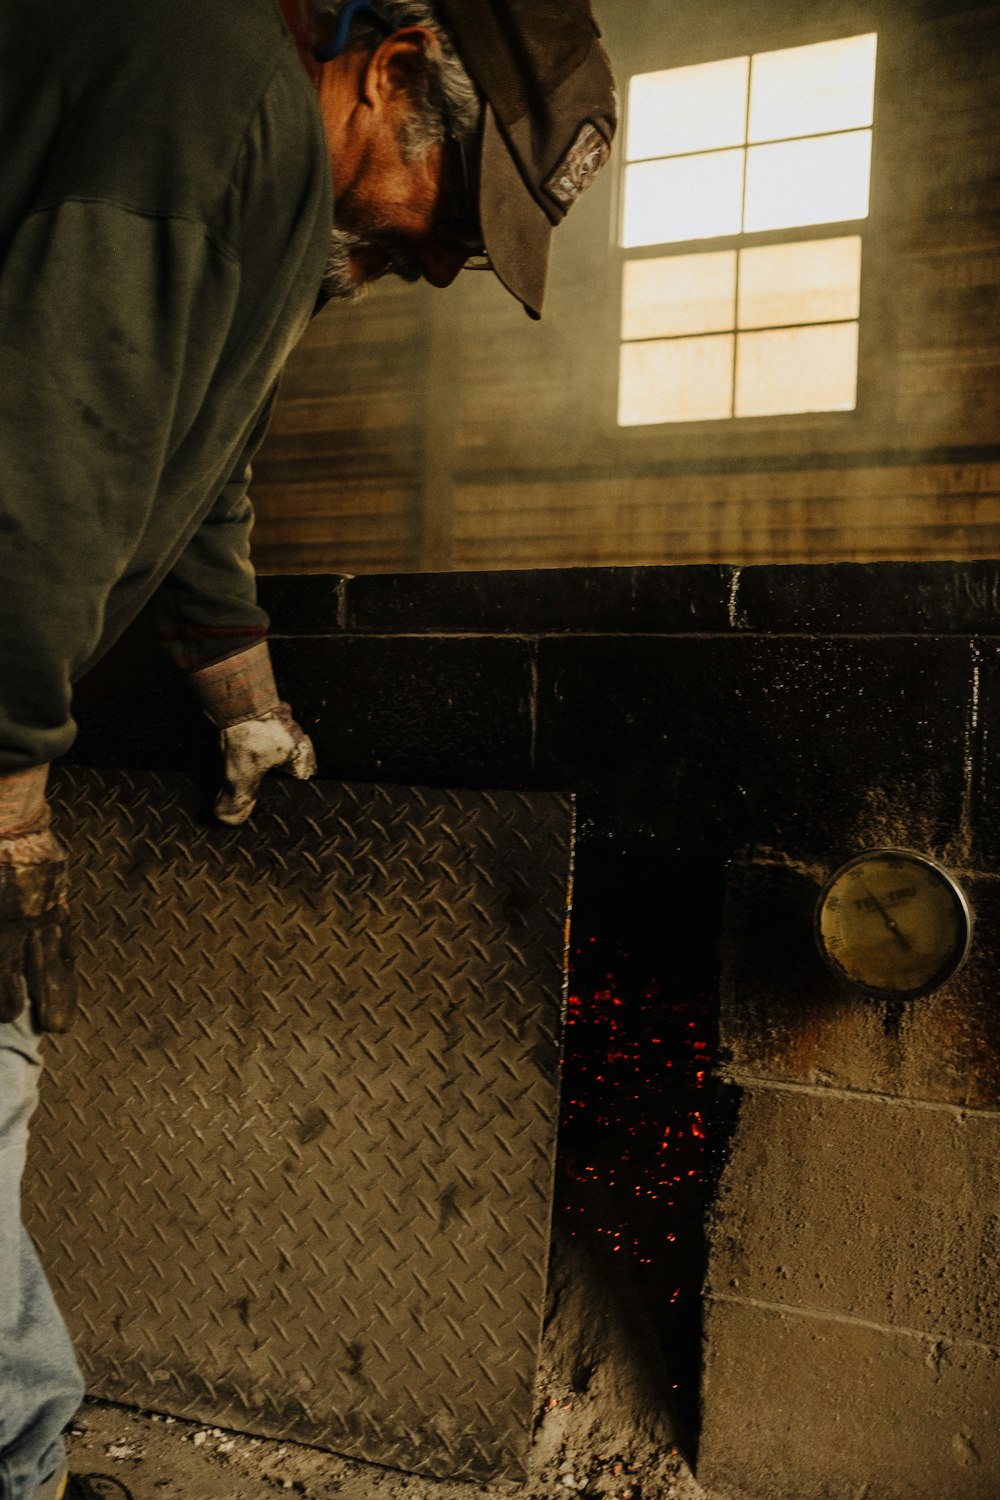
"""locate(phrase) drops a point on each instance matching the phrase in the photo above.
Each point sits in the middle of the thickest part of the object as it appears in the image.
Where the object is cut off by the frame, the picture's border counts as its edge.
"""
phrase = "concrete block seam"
(824, 1315)
(760, 1082)
(971, 746)
(342, 603)
(533, 707)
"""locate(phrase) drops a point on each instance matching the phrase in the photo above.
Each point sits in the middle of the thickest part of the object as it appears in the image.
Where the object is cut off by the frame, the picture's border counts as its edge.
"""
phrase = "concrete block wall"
(852, 1332)
(760, 725)
(852, 1308)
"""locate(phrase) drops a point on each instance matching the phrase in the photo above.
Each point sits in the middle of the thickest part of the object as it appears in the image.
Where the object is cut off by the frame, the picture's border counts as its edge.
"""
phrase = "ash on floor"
(602, 1429)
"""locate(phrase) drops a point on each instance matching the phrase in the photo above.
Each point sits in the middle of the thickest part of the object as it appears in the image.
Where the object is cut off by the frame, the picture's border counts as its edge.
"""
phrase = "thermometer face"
(893, 923)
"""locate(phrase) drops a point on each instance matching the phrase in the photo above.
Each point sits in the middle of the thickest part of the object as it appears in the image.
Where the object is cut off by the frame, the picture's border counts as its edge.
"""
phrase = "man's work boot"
(63, 1485)
(95, 1487)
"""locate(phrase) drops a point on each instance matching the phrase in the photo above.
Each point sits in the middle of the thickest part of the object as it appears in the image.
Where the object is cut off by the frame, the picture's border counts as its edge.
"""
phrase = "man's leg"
(40, 1384)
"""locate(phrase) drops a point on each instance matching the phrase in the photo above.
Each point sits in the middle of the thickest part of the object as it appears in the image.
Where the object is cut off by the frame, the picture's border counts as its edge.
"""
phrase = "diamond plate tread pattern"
(292, 1172)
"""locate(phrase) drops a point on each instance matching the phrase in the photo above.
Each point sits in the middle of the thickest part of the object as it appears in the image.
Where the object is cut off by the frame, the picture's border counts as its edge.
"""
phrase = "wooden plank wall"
(337, 483)
(425, 429)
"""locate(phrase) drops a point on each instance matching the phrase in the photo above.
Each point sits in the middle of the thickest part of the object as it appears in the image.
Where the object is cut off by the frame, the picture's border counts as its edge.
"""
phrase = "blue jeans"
(40, 1384)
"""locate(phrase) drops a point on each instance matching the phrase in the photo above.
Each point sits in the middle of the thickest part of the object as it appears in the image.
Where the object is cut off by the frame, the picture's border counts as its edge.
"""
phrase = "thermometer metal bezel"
(951, 962)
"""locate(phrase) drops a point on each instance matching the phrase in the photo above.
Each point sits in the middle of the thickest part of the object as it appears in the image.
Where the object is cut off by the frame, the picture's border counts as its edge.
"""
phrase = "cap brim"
(516, 231)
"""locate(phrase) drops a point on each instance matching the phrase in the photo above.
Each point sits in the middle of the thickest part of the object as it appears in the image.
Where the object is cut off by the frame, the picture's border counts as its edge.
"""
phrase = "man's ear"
(397, 69)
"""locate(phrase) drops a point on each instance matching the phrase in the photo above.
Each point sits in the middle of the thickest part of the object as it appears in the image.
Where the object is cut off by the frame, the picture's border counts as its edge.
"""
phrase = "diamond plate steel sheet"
(293, 1168)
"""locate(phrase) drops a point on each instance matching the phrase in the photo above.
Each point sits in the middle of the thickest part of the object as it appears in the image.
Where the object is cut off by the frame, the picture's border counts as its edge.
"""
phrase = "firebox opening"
(642, 1122)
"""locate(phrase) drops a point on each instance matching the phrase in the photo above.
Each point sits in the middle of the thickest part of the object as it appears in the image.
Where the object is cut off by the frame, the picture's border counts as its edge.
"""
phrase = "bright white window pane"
(689, 198)
(796, 370)
(808, 182)
(679, 294)
(807, 90)
(688, 109)
(678, 380)
(815, 282)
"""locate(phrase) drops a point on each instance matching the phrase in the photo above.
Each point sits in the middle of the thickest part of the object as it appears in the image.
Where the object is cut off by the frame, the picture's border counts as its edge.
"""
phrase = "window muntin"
(747, 145)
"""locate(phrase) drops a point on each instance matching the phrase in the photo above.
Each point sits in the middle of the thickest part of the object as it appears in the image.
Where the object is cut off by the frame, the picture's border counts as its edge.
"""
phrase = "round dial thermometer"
(893, 923)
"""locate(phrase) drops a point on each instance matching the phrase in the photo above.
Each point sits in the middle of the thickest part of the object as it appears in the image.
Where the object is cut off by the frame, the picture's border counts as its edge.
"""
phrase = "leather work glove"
(257, 731)
(36, 960)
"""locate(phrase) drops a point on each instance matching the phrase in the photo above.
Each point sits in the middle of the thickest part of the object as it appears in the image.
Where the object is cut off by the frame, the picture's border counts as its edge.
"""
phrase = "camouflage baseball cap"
(549, 120)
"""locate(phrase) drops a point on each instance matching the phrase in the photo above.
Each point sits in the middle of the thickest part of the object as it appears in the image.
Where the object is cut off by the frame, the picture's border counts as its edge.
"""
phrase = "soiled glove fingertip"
(51, 982)
(58, 1016)
(303, 763)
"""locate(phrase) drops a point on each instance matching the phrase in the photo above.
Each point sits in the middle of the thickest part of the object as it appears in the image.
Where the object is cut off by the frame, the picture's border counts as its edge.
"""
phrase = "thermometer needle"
(900, 937)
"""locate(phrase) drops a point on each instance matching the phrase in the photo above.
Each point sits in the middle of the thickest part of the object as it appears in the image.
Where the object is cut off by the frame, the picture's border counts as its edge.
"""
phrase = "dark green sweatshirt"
(165, 211)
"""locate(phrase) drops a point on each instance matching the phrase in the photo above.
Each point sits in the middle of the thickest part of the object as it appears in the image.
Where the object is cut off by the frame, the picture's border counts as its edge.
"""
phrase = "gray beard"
(338, 278)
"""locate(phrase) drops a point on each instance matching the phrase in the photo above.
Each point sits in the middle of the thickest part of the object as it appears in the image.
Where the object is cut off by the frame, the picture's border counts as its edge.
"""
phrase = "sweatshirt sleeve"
(112, 327)
(207, 607)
